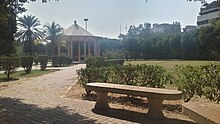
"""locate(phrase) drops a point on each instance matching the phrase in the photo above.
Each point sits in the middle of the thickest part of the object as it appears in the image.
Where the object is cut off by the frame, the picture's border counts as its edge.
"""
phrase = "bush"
(211, 82)
(98, 62)
(26, 63)
(43, 60)
(113, 54)
(126, 74)
(95, 62)
(188, 80)
(9, 64)
(89, 75)
(152, 76)
(202, 81)
(36, 61)
(137, 75)
(140, 75)
(112, 62)
(61, 61)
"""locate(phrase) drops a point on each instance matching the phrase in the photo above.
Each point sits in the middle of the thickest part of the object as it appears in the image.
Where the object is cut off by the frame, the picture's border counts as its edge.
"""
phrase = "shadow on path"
(13, 111)
(137, 117)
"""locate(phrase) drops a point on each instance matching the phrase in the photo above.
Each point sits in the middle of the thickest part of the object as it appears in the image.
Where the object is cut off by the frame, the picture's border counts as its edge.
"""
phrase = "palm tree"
(28, 32)
(53, 32)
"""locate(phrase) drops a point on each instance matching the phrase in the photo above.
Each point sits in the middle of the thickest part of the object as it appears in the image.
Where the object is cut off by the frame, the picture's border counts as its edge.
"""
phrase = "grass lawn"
(22, 74)
(170, 64)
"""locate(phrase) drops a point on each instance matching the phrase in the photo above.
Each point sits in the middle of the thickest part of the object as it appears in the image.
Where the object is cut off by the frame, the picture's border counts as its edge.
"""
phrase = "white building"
(189, 28)
(165, 27)
(208, 12)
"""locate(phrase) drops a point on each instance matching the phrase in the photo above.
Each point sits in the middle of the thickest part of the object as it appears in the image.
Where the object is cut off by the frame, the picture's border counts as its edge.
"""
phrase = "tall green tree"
(53, 32)
(7, 28)
(28, 32)
(8, 14)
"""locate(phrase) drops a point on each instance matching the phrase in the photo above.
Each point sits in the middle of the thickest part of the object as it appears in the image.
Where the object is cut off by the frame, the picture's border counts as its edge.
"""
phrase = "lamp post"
(86, 20)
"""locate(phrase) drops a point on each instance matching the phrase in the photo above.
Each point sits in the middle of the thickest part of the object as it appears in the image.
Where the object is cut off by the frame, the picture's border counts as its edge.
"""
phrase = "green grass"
(170, 64)
(22, 74)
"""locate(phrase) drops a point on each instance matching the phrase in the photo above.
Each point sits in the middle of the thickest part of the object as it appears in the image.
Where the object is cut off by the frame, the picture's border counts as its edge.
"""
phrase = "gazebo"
(81, 43)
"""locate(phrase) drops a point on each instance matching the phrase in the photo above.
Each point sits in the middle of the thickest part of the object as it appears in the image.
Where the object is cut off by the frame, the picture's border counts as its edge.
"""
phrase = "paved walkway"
(41, 100)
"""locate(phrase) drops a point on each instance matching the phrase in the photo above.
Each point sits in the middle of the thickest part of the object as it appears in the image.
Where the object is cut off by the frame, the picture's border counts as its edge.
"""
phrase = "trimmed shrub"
(201, 80)
(188, 80)
(9, 64)
(43, 60)
(137, 75)
(112, 62)
(211, 82)
(36, 61)
(61, 61)
(26, 63)
(95, 62)
(89, 75)
(152, 76)
(55, 61)
(126, 74)
(98, 62)
(140, 75)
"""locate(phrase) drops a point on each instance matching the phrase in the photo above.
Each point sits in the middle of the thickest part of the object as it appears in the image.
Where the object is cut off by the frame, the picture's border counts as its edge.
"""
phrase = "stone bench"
(202, 112)
(155, 96)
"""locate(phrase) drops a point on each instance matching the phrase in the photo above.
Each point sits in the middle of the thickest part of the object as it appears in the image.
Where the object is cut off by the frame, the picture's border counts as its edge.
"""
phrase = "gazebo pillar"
(89, 49)
(68, 49)
(98, 48)
(84, 50)
(95, 49)
(58, 50)
(71, 50)
(79, 54)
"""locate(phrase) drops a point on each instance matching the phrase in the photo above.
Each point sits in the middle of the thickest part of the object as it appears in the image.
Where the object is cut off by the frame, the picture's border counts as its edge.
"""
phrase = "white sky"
(106, 16)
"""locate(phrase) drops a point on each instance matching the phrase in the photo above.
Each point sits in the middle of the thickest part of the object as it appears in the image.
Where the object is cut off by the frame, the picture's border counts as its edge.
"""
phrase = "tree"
(209, 41)
(7, 28)
(28, 32)
(8, 13)
(189, 45)
(53, 33)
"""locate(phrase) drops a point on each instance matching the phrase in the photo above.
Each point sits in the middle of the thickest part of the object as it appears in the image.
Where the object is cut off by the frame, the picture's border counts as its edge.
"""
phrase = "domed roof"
(76, 30)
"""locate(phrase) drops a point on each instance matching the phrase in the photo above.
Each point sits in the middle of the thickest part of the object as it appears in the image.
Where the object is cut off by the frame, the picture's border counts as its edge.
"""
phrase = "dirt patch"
(171, 108)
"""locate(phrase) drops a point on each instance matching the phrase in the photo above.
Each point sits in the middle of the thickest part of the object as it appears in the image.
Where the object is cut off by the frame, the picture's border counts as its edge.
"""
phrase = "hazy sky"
(106, 16)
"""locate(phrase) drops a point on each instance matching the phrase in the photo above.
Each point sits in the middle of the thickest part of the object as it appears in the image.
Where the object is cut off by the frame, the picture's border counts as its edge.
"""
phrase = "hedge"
(9, 64)
(93, 75)
(200, 80)
(137, 75)
(43, 60)
(203, 81)
(61, 61)
(26, 63)
(98, 62)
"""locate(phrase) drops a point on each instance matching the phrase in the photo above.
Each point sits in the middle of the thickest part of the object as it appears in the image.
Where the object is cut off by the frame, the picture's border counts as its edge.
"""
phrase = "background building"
(189, 28)
(208, 12)
(169, 28)
(81, 43)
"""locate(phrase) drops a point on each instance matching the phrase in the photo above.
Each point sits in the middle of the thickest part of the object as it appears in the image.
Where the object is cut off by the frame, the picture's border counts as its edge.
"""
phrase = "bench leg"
(101, 102)
(155, 110)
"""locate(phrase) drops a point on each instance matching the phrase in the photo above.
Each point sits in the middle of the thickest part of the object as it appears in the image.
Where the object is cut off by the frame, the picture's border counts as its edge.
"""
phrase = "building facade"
(189, 28)
(165, 27)
(81, 44)
(208, 12)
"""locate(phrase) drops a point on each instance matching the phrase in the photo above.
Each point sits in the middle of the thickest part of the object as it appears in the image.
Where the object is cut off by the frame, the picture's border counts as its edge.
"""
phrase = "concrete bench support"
(155, 96)
(102, 102)
(155, 110)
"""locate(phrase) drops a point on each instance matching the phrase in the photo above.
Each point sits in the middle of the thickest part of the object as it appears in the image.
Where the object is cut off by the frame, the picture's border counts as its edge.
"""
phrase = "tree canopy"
(28, 32)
